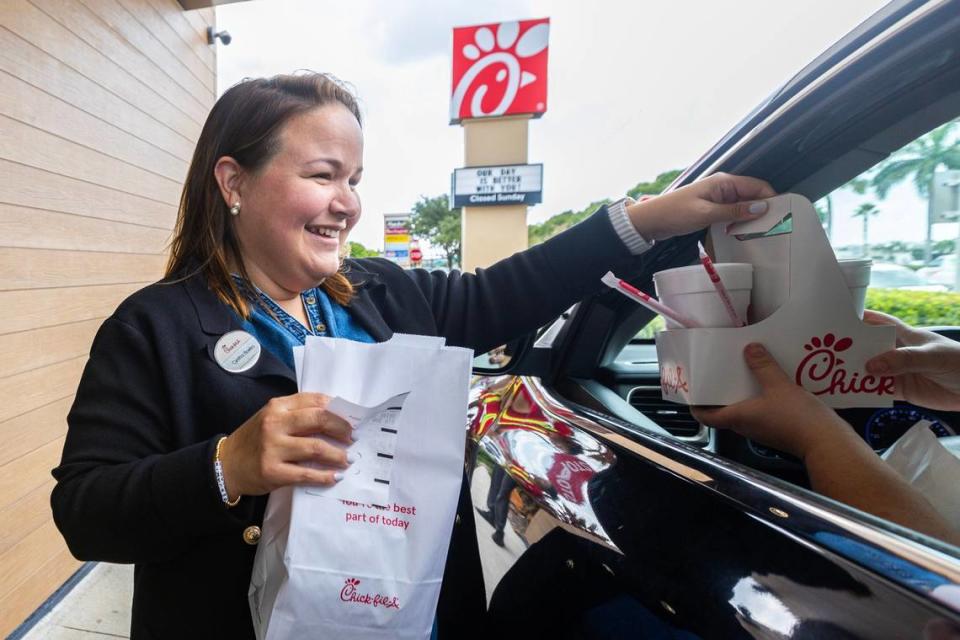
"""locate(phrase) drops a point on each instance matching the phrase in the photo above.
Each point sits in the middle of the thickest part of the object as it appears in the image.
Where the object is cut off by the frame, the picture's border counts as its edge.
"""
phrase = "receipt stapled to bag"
(376, 429)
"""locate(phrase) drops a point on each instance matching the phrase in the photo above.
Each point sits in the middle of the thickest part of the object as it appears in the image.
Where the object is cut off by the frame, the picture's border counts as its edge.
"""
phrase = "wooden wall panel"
(39, 189)
(53, 570)
(21, 476)
(106, 31)
(27, 145)
(26, 391)
(101, 102)
(18, 227)
(34, 268)
(20, 560)
(21, 59)
(26, 432)
(183, 53)
(29, 513)
(193, 33)
(27, 350)
(27, 309)
(36, 27)
(32, 106)
(156, 64)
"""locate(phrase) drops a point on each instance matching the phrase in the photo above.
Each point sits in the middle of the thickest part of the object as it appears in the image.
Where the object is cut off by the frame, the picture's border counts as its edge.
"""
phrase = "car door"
(606, 512)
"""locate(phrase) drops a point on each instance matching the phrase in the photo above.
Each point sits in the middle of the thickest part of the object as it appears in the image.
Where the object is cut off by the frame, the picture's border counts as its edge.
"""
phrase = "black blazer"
(136, 482)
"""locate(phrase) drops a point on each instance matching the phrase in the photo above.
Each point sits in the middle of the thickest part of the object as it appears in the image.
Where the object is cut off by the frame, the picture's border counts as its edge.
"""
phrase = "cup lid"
(694, 279)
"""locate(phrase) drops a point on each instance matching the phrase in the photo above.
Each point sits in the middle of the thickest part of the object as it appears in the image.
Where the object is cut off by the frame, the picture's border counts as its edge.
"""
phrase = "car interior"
(600, 356)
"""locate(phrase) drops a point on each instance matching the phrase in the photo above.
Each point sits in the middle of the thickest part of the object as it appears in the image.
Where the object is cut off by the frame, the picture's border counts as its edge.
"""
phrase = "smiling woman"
(188, 415)
(291, 181)
(297, 207)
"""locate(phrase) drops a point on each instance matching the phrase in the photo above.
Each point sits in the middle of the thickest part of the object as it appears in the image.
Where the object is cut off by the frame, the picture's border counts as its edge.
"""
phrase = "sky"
(635, 88)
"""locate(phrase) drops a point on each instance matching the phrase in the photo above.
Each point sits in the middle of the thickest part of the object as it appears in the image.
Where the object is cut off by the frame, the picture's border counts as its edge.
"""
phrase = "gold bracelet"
(218, 472)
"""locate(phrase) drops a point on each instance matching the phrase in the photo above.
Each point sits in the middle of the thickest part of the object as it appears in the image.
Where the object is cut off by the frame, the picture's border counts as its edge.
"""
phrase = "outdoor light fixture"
(212, 36)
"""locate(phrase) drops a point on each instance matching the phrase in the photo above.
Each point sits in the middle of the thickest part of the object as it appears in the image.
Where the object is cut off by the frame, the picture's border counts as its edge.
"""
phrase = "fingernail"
(337, 477)
(354, 436)
(878, 366)
(351, 458)
(755, 350)
(758, 207)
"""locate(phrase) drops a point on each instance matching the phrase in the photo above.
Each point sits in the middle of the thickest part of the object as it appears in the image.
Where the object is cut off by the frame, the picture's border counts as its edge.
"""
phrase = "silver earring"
(235, 209)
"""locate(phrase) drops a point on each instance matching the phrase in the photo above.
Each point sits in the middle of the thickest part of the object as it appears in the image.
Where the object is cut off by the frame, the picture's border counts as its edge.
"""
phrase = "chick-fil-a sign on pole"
(500, 69)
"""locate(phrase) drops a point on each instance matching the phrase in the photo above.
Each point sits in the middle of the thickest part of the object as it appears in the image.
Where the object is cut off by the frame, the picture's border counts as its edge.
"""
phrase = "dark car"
(605, 512)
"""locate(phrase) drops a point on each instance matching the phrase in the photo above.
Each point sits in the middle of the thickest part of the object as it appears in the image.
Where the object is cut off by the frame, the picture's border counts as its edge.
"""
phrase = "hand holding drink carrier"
(802, 309)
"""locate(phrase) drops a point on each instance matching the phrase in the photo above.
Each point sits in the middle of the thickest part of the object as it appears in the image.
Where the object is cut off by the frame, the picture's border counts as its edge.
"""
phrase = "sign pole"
(491, 233)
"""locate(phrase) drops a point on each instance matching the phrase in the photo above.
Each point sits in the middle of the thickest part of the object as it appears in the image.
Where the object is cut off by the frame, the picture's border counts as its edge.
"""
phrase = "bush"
(919, 308)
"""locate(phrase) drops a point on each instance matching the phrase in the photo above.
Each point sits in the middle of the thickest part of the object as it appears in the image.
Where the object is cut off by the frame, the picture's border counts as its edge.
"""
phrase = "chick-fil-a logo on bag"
(821, 371)
(351, 593)
(672, 379)
(500, 69)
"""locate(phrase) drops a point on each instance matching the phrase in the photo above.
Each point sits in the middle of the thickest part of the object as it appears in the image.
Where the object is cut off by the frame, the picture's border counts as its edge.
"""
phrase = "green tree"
(858, 185)
(944, 247)
(433, 220)
(824, 206)
(357, 250)
(866, 210)
(659, 183)
(537, 233)
(919, 160)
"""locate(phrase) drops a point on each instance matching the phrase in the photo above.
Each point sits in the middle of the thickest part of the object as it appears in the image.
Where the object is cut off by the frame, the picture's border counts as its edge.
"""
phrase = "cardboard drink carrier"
(801, 311)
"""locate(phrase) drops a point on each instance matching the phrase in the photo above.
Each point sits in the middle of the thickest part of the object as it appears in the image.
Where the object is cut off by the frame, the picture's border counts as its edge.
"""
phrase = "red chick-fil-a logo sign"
(351, 593)
(499, 69)
(821, 371)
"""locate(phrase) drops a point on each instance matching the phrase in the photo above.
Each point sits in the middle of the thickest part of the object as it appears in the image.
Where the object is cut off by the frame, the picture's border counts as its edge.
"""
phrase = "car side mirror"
(503, 359)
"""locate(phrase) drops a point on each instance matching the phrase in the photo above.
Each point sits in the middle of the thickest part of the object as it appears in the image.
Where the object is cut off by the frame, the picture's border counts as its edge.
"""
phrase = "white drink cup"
(856, 273)
(689, 292)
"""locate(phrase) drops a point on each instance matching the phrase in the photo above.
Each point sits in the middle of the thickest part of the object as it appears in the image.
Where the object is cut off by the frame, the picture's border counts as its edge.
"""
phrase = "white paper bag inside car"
(801, 310)
(329, 566)
(920, 458)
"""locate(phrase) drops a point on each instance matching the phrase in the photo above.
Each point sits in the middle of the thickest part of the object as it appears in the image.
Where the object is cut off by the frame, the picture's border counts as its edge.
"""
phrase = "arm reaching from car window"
(840, 464)
(925, 365)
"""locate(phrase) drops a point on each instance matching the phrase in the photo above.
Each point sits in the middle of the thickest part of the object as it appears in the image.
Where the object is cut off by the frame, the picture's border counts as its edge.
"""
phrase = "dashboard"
(882, 427)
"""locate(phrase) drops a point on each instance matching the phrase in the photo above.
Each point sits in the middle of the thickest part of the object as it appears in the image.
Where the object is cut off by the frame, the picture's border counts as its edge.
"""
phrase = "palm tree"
(825, 210)
(866, 210)
(920, 159)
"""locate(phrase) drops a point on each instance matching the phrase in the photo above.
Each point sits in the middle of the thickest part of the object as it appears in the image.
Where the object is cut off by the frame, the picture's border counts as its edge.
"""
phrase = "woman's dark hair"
(244, 124)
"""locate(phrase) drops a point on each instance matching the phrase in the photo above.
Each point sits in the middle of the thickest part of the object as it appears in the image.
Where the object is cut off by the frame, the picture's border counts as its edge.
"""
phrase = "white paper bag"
(924, 462)
(330, 567)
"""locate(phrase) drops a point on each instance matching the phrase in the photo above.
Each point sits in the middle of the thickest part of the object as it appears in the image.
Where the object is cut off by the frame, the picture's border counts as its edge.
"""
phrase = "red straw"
(718, 285)
(646, 300)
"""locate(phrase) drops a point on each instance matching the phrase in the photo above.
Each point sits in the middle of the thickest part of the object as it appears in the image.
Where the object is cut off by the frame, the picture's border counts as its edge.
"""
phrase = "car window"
(884, 214)
(902, 214)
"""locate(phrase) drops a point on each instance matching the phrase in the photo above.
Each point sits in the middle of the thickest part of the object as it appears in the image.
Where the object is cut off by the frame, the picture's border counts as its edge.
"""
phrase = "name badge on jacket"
(237, 351)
